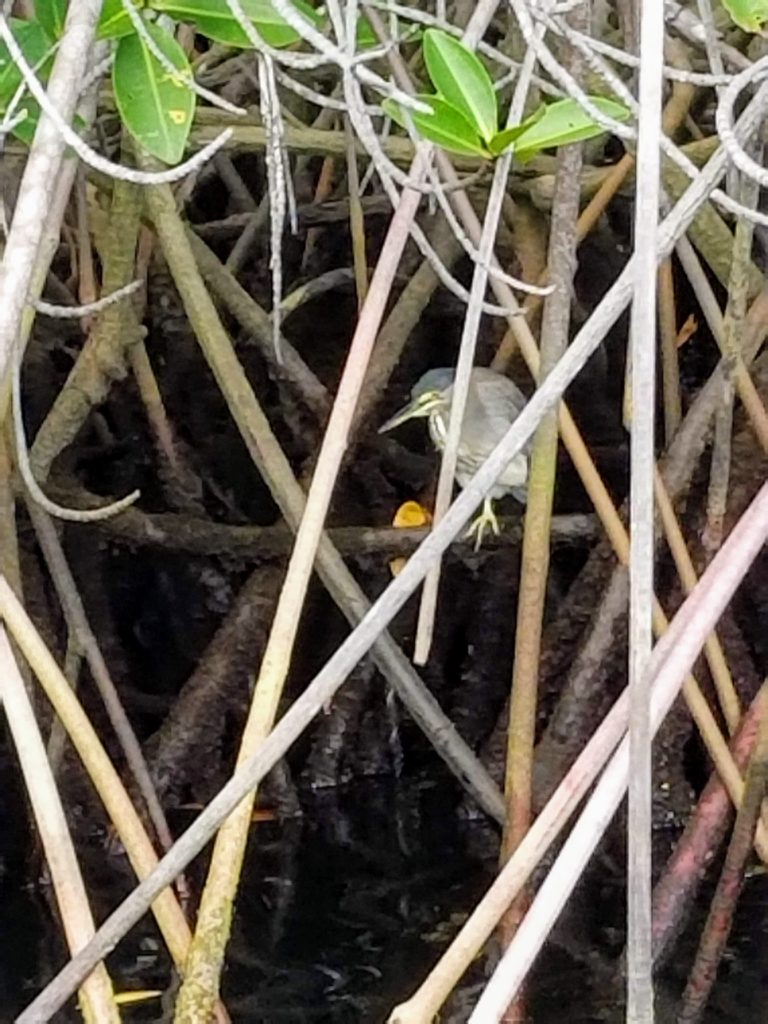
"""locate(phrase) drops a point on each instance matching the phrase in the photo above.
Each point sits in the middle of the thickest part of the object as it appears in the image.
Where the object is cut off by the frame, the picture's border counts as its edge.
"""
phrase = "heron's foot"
(484, 521)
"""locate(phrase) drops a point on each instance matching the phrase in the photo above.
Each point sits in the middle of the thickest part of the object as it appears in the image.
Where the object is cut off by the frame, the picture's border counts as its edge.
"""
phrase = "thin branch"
(96, 995)
(640, 1006)
(534, 570)
(80, 628)
(41, 173)
(718, 926)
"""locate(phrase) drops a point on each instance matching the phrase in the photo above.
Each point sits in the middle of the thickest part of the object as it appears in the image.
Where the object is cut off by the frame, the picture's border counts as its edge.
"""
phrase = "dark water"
(342, 913)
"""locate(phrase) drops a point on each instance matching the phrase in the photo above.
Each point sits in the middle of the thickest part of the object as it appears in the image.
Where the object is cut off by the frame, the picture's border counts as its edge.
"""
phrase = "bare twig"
(521, 733)
(80, 628)
(41, 175)
(96, 996)
(641, 560)
(718, 926)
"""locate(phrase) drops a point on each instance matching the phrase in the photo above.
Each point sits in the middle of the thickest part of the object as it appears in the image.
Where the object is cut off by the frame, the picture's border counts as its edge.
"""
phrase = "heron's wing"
(491, 408)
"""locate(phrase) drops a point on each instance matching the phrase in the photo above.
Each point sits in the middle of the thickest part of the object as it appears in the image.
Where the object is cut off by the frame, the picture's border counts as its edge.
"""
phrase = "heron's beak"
(406, 413)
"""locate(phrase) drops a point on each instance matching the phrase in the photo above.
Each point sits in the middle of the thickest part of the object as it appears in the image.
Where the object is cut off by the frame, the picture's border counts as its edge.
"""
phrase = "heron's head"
(430, 393)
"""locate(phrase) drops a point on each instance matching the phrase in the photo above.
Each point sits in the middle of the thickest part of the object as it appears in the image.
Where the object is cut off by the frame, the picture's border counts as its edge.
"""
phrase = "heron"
(493, 404)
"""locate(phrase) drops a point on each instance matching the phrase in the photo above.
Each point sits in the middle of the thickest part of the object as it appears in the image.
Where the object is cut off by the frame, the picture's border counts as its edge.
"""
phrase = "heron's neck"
(438, 424)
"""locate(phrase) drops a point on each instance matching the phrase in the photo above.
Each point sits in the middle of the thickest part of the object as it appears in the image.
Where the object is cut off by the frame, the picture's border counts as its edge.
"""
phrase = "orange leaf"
(411, 514)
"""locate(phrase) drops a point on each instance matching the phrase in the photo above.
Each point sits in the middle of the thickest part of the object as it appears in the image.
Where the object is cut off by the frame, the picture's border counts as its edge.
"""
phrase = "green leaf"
(446, 126)
(563, 122)
(504, 139)
(366, 38)
(213, 19)
(155, 106)
(34, 44)
(748, 14)
(461, 79)
(364, 34)
(114, 23)
(25, 130)
(50, 14)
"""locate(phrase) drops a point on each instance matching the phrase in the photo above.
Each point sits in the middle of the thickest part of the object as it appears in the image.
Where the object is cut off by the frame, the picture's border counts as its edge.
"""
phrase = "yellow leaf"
(411, 514)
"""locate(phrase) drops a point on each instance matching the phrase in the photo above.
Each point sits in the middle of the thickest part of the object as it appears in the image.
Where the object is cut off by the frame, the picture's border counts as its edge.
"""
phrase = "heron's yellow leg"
(478, 526)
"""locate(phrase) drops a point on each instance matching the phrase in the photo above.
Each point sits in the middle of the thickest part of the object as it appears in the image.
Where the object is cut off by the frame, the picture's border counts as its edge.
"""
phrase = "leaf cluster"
(155, 103)
(464, 114)
(152, 78)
